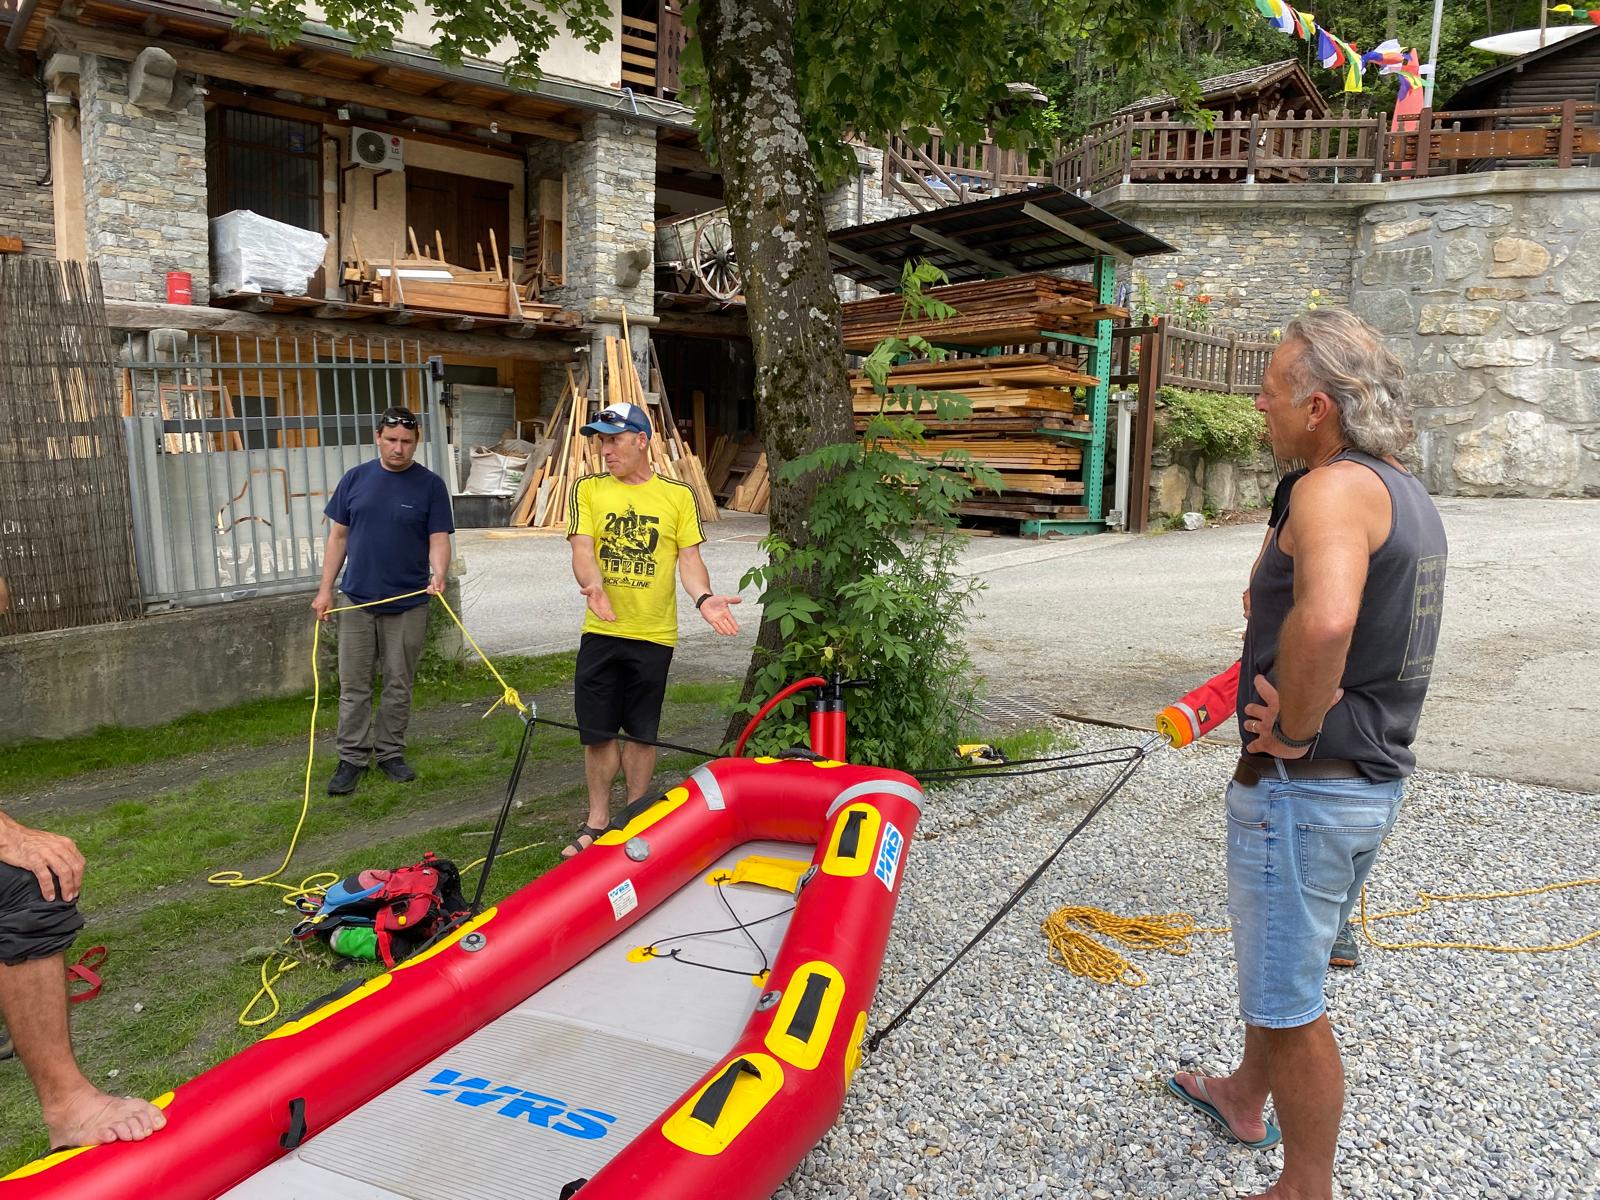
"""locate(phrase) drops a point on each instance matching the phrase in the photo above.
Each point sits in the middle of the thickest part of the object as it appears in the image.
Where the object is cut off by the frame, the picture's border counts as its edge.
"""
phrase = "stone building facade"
(144, 185)
(25, 205)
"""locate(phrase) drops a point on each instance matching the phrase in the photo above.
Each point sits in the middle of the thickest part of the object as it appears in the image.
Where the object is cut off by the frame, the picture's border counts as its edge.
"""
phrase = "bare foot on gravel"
(93, 1117)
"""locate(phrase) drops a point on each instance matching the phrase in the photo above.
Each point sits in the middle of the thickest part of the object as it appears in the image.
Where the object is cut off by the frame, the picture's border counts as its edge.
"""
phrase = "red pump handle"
(809, 681)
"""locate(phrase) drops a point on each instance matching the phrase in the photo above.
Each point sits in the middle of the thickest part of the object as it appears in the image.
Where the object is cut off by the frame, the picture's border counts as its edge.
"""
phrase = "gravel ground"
(1469, 1074)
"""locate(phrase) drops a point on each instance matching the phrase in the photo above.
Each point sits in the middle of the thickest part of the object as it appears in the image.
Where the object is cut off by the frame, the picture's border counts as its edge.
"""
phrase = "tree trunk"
(775, 205)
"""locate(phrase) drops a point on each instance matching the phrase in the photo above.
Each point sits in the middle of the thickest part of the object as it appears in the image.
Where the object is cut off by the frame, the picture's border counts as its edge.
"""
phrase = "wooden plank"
(281, 76)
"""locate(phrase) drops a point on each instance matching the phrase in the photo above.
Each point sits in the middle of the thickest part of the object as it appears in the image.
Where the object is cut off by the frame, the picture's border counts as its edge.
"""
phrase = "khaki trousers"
(390, 645)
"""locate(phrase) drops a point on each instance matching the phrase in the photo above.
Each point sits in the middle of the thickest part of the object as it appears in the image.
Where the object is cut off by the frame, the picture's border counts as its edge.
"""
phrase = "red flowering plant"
(1172, 299)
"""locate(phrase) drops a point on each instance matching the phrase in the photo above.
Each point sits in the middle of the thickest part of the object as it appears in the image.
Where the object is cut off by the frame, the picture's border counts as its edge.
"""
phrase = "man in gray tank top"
(1345, 602)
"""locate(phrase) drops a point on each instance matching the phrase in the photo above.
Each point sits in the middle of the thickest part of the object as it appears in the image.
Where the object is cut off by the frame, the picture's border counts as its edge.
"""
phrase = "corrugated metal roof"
(959, 239)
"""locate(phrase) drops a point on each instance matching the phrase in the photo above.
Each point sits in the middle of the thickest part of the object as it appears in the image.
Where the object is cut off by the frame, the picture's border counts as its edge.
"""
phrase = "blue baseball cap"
(619, 418)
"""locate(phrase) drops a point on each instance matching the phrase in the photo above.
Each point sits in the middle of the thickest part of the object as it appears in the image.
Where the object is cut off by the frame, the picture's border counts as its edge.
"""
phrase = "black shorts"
(30, 926)
(620, 684)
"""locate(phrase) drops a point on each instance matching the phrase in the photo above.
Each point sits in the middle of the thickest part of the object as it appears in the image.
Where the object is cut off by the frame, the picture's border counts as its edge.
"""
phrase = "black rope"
(739, 923)
(619, 736)
(1130, 765)
(505, 813)
(1088, 758)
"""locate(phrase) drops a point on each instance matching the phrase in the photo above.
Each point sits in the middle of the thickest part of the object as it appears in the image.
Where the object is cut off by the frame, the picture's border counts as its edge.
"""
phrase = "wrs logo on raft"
(888, 865)
(589, 1124)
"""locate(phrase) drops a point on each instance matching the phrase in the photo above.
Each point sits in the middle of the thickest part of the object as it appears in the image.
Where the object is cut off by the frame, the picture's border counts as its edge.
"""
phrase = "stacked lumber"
(426, 280)
(1023, 408)
(547, 490)
(547, 495)
(752, 495)
(738, 475)
(992, 312)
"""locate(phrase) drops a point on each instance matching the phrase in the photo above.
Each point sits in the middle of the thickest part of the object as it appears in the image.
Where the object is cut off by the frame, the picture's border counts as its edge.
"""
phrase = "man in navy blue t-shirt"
(390, 531)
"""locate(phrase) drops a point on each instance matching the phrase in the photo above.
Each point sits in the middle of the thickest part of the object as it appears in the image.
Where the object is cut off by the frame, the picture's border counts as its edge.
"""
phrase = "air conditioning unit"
(380, 151)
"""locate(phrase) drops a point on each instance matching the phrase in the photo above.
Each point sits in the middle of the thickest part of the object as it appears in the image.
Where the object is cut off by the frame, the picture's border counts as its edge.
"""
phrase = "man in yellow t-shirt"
(631, 531)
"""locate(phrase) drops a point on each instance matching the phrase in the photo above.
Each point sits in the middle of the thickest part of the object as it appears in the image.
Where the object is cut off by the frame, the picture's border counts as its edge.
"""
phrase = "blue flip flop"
(1267, 1142)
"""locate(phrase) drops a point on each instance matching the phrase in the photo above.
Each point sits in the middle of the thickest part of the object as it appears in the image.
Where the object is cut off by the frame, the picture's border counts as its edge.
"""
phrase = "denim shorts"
(1298, 853)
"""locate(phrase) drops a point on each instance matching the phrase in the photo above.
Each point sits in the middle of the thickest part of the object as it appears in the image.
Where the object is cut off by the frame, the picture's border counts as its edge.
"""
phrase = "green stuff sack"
(355, 941)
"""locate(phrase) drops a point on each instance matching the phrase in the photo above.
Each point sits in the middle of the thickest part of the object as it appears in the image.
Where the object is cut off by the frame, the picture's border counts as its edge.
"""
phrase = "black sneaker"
(1346, 950)
(345, 778)
(397, 769)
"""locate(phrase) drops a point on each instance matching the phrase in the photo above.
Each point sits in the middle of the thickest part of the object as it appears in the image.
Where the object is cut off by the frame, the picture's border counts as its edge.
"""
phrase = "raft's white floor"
(612, 1037)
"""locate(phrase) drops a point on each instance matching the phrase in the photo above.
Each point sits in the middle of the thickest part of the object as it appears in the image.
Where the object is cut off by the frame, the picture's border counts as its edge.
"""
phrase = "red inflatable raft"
(676, 1012)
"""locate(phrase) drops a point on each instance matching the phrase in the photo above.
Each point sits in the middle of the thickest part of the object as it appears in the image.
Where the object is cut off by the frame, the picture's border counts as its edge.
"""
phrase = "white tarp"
(252, 253)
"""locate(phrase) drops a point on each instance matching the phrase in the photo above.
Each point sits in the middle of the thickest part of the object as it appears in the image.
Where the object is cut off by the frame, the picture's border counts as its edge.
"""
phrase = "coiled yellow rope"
(319, 881)
(1068, 929)
(1073, 948)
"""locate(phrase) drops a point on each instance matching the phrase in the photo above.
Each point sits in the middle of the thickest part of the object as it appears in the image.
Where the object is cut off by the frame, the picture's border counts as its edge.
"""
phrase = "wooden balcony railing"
(1360, 149)
(937, 172)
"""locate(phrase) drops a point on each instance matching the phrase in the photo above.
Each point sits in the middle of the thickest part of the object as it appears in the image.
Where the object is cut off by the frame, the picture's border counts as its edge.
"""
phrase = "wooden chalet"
(1510, 108)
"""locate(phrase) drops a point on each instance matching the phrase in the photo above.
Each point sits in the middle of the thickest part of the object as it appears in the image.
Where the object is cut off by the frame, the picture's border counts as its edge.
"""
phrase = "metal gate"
(235, 445)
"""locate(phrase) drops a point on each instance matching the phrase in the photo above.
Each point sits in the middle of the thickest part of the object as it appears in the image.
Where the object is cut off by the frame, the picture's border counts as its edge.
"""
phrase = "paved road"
(1115, 626)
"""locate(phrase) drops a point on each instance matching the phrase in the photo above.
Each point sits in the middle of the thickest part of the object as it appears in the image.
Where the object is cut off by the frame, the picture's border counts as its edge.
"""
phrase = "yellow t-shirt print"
(638, 530)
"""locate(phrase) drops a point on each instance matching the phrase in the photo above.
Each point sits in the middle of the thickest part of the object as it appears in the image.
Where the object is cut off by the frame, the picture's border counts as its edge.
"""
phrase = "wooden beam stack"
(992, 312)
(1023, 406)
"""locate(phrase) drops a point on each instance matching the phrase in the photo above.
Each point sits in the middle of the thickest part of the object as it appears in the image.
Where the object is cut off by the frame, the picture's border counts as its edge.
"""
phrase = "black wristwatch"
(702, 600)
(1294, 743)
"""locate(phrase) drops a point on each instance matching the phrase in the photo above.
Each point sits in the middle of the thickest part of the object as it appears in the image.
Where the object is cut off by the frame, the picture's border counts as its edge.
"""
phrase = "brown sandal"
(577, 845)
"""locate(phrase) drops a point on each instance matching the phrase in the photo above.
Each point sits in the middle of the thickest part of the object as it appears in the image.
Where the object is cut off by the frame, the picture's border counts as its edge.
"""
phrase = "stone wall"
(144, 184)
(1488, 286)
(1259, 264)
(71, 681)
(1184, 480)
(1493, 303)
(25, 206)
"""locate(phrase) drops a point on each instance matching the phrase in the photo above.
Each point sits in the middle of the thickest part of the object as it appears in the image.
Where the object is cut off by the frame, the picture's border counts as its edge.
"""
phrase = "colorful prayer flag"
(1305, 25)
(1329, 50)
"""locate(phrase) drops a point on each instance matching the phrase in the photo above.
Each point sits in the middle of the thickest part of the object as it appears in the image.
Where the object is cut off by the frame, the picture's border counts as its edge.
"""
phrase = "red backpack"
(402, 909)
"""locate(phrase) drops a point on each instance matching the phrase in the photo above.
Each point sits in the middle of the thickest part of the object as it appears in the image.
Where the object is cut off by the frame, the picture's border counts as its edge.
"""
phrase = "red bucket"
(180, 287)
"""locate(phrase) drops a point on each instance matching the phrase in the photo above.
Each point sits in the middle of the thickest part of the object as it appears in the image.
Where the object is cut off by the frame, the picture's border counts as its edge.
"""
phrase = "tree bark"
(775, 206)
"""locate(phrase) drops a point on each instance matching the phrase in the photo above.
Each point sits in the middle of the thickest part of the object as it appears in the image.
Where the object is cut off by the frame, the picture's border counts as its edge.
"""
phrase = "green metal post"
(1098, 365)
(1094, 479)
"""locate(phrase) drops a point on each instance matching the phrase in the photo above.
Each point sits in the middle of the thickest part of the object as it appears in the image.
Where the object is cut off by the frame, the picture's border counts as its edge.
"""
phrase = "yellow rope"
(285, 965)
(1079, 953)
(1428, 899)
(1073, 948)
(319, 881)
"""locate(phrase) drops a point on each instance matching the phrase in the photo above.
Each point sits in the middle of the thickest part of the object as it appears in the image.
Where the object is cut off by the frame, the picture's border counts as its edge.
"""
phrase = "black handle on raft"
(708, 1109)
(850, 839)
(570, 1190)
(297, 1124)
(805, 1013)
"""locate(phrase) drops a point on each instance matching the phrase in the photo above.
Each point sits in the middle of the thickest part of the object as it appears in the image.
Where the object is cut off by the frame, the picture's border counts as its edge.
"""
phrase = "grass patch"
(259, 723)
(189, 954)
(1033, 743)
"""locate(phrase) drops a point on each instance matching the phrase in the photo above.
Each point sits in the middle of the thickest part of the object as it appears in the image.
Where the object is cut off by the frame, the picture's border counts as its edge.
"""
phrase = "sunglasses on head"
(405, 422)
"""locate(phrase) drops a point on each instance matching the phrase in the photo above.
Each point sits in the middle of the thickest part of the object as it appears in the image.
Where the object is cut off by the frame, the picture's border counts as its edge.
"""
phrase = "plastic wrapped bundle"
(252, 253)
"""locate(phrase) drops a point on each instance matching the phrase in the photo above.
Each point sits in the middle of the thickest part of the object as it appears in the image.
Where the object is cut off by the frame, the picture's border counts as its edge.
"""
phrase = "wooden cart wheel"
(715, 265)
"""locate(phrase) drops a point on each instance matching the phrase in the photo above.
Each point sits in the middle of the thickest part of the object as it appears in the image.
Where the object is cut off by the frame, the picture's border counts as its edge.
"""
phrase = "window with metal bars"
(269, 165)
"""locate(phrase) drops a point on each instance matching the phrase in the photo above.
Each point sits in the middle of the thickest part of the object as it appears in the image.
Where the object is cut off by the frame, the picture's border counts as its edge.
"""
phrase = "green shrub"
(1220, 426)
(875, 592)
